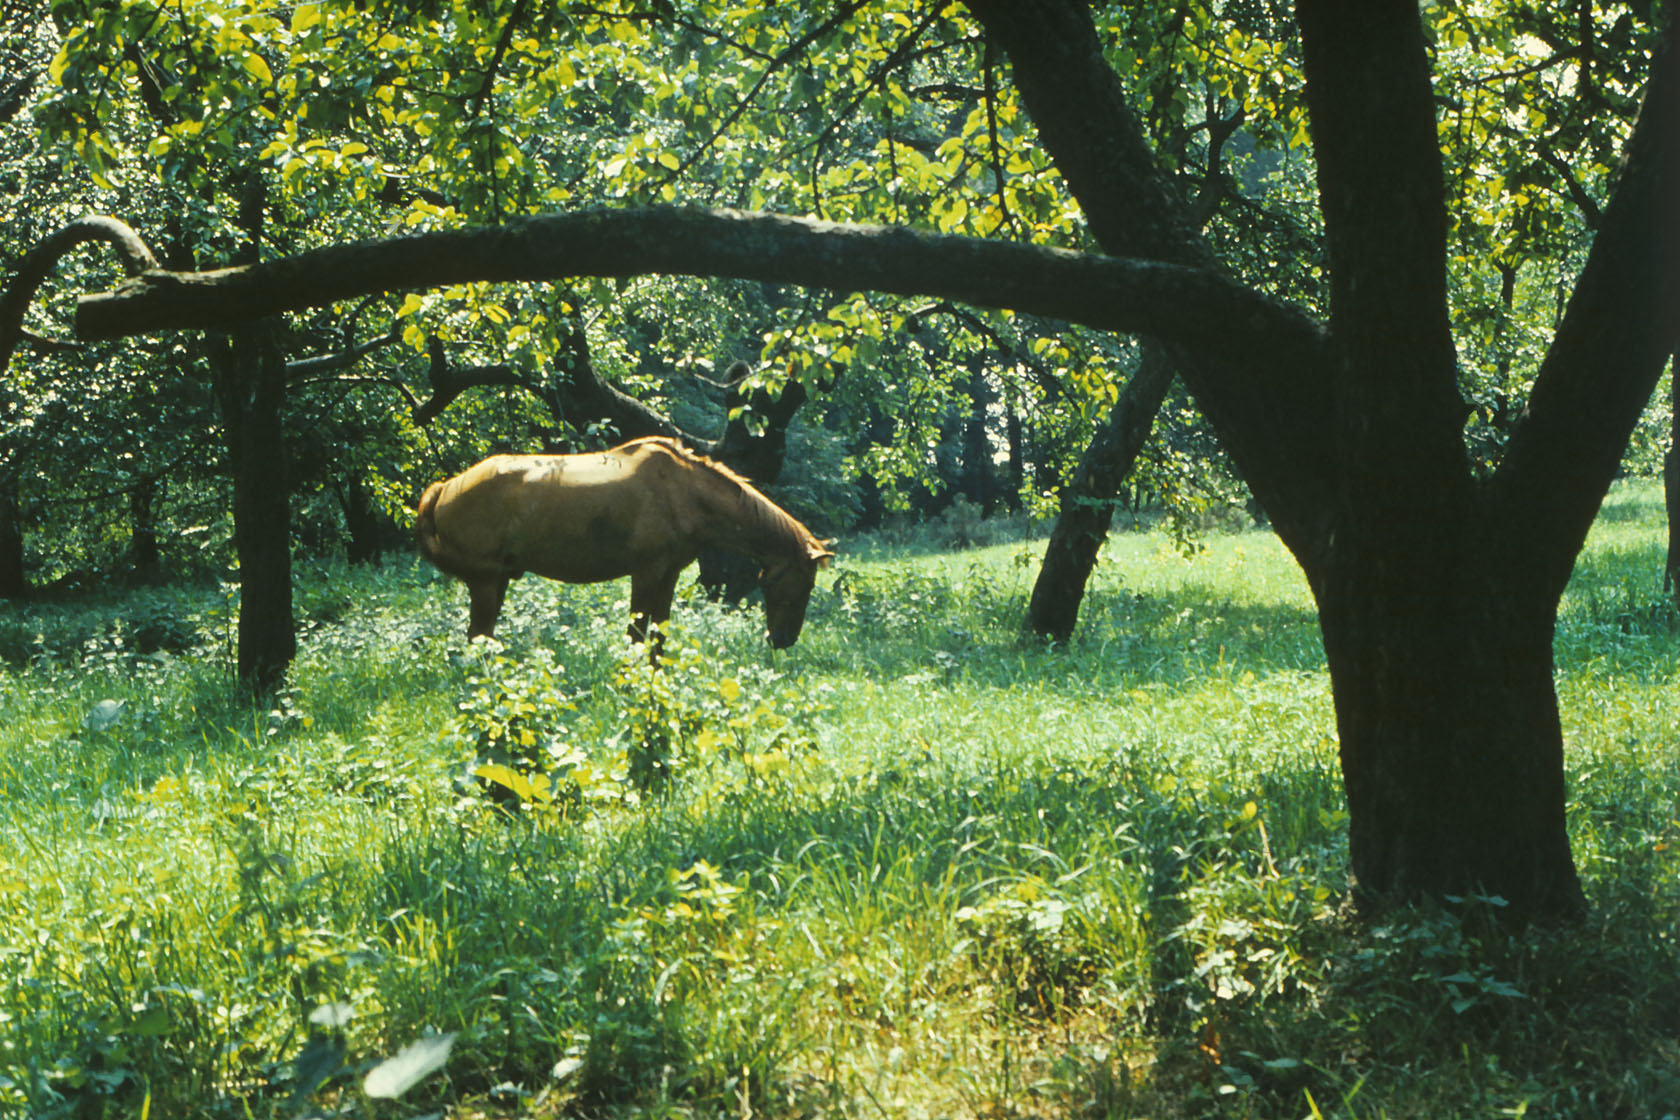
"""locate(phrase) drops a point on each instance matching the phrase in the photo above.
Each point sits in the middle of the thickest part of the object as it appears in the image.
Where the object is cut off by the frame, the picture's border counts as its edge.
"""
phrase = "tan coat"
(643, 509)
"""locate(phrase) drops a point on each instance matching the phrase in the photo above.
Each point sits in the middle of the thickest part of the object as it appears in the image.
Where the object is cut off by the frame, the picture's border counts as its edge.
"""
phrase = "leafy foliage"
(338, 121)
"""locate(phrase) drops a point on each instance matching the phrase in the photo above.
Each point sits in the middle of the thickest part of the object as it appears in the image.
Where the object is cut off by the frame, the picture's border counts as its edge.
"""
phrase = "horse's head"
(787, 584)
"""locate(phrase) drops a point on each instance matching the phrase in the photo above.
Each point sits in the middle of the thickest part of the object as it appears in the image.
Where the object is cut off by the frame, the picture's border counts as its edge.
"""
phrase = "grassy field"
(913, 867)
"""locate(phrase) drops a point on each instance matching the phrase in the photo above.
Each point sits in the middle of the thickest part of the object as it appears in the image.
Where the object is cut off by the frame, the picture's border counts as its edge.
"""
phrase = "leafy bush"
(687, 711)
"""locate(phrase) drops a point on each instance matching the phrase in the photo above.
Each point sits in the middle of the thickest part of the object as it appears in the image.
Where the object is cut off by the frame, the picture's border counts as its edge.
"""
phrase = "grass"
(912, 867)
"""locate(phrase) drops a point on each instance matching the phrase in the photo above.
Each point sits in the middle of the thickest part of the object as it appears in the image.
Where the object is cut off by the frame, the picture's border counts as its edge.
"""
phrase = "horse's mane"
(773, 518)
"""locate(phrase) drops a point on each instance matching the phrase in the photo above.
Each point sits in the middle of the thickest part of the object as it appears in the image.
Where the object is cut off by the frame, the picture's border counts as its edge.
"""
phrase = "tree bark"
(14, 581)
(1671, 485)
(1437, 629)
(361, 522)
(755, 431)
(1450, 740)
(1269, 401)
(38, 264)
(249, 374)
(1171, 301)
(1087, 507)
(143, 551)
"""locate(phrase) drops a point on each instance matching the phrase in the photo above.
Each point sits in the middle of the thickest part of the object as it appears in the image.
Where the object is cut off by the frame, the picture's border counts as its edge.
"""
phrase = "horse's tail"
(425, 525)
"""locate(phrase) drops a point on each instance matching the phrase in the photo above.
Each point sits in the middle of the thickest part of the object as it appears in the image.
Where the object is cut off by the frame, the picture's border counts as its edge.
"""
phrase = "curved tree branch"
(47, 345)
(353, 379)
(339, 359)
(1591, 212)
(1194, 307)
(1007, 351)
(38, 264)
(1272, 409)
(475, 104)
(449, 382)
(581, 395)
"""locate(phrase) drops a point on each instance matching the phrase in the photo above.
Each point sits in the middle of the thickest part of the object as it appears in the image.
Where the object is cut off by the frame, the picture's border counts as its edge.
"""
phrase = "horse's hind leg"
(485, 600)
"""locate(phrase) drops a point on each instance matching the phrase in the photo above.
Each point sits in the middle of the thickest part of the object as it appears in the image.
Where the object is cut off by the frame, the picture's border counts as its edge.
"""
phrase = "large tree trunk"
(1437, 622)
(1436, 593)
(1087, 504)
(1440, 662)
(250, 382)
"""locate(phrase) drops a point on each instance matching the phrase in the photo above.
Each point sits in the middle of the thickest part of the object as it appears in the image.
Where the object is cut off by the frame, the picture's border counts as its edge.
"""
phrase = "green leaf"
(407, 1068)
(152, 1023)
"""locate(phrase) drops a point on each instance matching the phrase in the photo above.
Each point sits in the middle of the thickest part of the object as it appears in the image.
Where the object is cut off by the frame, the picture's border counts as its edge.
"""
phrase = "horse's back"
(579, 518)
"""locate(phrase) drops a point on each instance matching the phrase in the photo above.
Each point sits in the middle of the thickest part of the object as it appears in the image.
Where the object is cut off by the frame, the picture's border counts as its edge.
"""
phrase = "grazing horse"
(643, 509)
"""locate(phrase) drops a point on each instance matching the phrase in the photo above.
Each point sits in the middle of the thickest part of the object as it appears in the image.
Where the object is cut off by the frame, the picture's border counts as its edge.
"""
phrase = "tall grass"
(915, 866)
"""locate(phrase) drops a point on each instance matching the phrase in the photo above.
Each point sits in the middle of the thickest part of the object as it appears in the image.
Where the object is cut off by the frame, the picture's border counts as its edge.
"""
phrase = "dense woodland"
(1395, 290)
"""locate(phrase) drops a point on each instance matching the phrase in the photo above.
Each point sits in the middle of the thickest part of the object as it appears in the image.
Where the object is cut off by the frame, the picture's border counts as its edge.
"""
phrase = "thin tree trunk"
(250, 381)
(976, 479)
(1087, 507)
(144, 553)
(1017, 459)
(1671, 485)
(361, 521)
(14, 581)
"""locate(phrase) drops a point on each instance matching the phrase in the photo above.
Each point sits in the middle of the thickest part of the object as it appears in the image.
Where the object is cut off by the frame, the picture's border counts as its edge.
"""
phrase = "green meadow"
(916, 866)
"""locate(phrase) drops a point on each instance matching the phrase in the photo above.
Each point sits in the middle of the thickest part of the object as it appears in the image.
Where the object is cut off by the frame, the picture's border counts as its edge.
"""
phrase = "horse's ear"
(820, 552)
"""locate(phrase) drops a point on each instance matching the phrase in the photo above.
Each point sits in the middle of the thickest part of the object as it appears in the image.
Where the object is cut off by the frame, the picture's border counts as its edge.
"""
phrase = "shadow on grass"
(1067, 894)
(1076, 878)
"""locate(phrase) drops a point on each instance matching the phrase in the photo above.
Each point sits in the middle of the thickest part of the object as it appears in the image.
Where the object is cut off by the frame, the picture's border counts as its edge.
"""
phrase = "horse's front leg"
(485, 606)
(650, 605)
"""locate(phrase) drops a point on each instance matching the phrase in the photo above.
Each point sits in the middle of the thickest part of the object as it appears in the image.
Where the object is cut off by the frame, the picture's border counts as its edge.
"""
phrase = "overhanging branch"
(1194, 307)
(38, 264)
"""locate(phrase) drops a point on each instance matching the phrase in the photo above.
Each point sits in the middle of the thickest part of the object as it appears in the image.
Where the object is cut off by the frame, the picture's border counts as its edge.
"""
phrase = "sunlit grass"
(916, 866)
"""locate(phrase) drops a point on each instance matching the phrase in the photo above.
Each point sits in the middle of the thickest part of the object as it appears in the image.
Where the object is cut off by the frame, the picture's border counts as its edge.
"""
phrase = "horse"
(643, 509)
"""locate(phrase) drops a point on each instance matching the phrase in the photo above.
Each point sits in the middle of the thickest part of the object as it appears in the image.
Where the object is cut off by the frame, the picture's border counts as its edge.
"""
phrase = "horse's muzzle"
(782, 637)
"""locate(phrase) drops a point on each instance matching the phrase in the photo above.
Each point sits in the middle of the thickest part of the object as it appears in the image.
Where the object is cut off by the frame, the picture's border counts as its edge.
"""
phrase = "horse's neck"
(742, 521)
